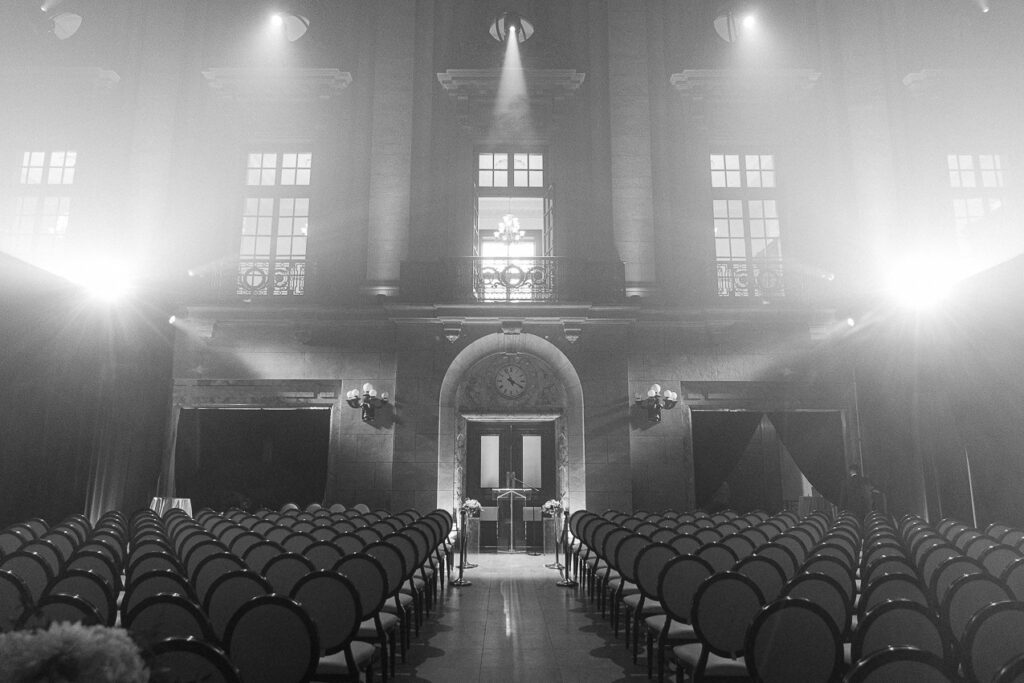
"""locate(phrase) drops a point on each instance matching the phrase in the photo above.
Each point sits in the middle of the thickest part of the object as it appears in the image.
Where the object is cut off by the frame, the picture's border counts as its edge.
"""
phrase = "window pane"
(287, 176)
(485, 179)
(537, 161)
(486, 161)
(718, 179)
(501, 179)
(262, 246)
(521, 178)
(489, 452)
(753, 162)
(732, 161)
(720, 208)
(501, 161)
(519, 161)
(288, 160)
(732, 178)
(717, 162)
(753, 179)
(531, 460)
(303, 176)
(739, 248)
(722, 249)
(536, 178)
(306, 160)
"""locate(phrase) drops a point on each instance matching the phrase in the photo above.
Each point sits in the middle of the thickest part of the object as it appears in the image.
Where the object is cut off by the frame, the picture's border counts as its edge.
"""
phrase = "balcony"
(549, 279)
(761, 278)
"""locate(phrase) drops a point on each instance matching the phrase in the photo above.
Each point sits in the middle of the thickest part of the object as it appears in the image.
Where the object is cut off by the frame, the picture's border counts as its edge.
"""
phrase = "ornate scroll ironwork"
(266, 278)
(760, 278)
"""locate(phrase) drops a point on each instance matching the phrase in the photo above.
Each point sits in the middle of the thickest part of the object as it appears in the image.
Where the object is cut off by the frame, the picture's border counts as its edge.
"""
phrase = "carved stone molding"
(743, 85)
(475, 91)
(959, 83)
(276, 85)
(59, 77)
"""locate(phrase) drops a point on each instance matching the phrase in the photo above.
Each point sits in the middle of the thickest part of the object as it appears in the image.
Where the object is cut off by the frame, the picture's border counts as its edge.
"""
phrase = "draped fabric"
(815, 442)
(719, 440)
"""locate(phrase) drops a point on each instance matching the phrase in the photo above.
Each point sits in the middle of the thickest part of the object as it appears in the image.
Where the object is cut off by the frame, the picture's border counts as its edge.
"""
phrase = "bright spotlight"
(510, 24)
(108, 288)
(749, 22)
(734, 24)
(922, 283)
(850, 322)
(173, 319)
(293, 26)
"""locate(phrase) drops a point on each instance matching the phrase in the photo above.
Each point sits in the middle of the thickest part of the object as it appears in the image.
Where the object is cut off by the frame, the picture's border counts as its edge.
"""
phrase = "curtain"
(719, 440)
(815, 442)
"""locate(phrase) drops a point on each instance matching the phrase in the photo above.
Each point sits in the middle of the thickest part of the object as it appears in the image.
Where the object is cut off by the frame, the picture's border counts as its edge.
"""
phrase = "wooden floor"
(514, 624)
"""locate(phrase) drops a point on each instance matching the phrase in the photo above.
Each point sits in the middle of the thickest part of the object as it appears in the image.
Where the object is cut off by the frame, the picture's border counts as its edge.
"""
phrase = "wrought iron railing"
(750, 278)
(548, 279)
(265, 278)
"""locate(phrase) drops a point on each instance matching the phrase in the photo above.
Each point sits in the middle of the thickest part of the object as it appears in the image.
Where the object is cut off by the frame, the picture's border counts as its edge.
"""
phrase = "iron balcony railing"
(543, 279)
(750, 278)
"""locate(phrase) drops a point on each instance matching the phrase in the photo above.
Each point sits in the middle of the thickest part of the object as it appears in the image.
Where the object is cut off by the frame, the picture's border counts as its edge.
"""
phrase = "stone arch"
(570, 442)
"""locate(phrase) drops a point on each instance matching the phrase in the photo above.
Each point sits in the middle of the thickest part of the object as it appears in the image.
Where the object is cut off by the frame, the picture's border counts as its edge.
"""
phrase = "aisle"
(514, 624)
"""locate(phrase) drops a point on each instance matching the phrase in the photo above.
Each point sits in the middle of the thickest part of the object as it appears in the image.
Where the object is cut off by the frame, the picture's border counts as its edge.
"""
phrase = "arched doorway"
(477, 388)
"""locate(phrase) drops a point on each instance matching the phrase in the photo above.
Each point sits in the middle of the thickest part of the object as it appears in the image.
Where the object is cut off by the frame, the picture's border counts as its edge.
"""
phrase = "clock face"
(510, 381)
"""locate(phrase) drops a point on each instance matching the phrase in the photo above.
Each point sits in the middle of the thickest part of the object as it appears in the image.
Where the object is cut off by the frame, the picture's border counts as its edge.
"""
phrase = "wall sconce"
(656, 400)
(368, 402)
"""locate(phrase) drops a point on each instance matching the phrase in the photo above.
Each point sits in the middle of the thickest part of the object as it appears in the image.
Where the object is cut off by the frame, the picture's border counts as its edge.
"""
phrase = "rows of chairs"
(272, 595)
(854, 598)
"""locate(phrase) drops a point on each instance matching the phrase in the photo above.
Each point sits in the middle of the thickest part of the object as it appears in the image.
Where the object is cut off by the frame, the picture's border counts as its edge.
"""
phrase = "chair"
(721, 557)
(323, 554)
(211, 567)
(369, 579)
(272, 639)
(834, 568)
(189, 659)
(400, 604)
(1013, 577)
(332, 603)
(258, 554)
(91, 588)
(900, 665)
(766, 573)
(782, 555)
(949, 571)
(677, 585)
(167, 615)
(153, 583)
(285, 570)
(15, 600)
(892, 587)
(34, 572)
(813, 650)
(899, 623)
(966, 596)
(992, 639)
(228, 592)
(153, 559)
(997, 558)
(58, 608)
(825, 592)
(648, 565)
(724, 607)
(625, 560)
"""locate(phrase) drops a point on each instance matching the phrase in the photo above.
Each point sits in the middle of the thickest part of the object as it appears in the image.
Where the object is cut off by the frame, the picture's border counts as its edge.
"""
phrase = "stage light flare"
(922, 282)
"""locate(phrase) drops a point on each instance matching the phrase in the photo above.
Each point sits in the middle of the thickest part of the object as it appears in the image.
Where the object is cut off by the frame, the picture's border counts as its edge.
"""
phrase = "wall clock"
(510, 381)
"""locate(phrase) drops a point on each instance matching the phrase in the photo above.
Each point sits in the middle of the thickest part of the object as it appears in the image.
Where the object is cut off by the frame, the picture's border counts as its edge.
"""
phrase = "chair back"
(391, 560)
(369, 579)
(898, 623)
(323, 554)
(825, 592)
(764, 572)
(685, 544)
(190, 659)
(332, 603)
(649, 564)
(992, 639)
(1013, 672)
(285, 570)
(720, 556)
(966, 596)
(900, 665)
(627, 552)
(259, 554)
(91, 588)
(153, 583)
(154, 559)
(892, 587)
(678, 584)
(167, 616)
(724, 607)
(59, 608)
(813, 650)
(32, 569)
(950, 570)
(210, 568)
(15, 600)
(782, 555)
(835, 568)
(271, 639)
(228, 592)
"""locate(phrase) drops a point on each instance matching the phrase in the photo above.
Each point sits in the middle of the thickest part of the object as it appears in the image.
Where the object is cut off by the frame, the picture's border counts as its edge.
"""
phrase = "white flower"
(71, 652)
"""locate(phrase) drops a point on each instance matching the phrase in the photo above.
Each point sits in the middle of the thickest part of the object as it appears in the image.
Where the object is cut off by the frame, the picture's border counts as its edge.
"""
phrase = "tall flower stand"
(553, 539)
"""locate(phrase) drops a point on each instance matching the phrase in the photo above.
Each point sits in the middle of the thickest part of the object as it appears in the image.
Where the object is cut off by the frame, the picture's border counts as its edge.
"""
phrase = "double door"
(516, 455)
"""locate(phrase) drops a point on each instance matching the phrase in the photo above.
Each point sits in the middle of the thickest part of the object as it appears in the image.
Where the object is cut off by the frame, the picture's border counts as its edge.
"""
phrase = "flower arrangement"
(70, 653)
(471, 507)
(551, 508)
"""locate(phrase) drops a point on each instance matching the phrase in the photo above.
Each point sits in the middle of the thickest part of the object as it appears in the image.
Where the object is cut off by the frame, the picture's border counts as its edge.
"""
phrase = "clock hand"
(512, 381)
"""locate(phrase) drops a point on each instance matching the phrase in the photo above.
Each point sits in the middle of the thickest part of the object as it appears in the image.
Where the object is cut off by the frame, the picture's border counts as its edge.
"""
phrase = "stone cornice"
(744, 85)
(474, 91)
(276, 85)
(944, 82)
(63, 77)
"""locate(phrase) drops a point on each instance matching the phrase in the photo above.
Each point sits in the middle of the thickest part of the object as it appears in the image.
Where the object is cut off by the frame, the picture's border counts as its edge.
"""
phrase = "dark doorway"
(511, 455)
(252, 458)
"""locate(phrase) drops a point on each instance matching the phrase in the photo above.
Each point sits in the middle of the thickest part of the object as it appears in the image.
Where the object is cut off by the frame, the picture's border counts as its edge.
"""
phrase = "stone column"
(391, 145)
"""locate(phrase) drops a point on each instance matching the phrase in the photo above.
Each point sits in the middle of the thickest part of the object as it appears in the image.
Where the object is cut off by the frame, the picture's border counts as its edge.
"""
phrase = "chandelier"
(508, 229)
